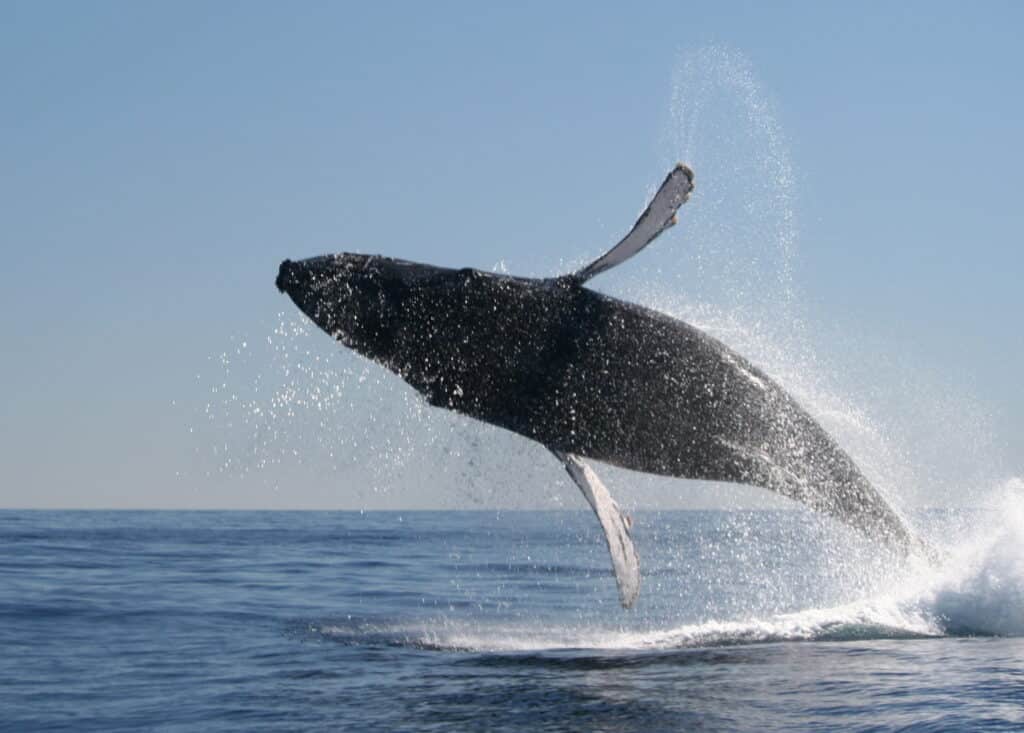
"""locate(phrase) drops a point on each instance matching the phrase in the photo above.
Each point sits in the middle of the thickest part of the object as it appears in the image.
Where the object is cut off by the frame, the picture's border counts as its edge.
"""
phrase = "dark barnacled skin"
(583, 373)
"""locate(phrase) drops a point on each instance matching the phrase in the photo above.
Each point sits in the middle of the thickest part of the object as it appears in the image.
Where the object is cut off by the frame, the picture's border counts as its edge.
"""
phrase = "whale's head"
(355, 298)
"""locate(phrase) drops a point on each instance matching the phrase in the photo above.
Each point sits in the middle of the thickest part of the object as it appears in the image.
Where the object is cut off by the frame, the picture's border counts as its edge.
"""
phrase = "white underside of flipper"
(659, 215)
(615, 523)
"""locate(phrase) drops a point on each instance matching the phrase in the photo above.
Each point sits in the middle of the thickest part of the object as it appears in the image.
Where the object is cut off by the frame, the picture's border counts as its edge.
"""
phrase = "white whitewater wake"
(976, 590)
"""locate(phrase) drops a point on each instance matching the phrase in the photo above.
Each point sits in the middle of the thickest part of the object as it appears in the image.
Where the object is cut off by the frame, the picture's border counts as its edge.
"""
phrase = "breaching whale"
(589, 377)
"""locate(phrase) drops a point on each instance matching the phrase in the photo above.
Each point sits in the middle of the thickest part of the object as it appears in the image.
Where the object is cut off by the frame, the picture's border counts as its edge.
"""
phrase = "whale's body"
(589, 376)
(586, 374)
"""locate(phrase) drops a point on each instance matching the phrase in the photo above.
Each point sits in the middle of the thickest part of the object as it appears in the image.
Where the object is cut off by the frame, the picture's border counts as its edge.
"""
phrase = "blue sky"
(160, 159)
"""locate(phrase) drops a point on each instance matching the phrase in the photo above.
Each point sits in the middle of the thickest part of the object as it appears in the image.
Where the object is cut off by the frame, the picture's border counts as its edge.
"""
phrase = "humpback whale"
(589, 377)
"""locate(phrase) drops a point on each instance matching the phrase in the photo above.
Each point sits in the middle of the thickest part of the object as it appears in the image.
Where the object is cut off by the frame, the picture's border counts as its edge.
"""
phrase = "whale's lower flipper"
(615, 523)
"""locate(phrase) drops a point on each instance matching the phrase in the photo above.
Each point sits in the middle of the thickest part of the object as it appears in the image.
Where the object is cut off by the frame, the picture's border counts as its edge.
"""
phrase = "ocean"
(503, 621)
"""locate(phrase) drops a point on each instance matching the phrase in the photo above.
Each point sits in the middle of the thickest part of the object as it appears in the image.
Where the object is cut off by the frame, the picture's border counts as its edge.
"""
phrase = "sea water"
(488, 620)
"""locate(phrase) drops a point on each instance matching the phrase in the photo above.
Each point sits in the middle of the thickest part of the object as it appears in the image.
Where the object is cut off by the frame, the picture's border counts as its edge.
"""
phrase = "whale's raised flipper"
(659, 215)
(615, 523)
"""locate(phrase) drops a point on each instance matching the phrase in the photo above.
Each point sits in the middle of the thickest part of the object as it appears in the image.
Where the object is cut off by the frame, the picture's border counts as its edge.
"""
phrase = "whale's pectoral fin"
(659, 215)
(615, 523)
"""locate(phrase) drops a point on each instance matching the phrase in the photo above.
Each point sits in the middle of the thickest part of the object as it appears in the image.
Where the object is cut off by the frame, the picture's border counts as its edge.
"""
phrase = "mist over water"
(292, 406)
